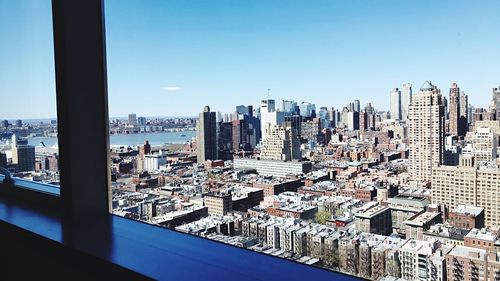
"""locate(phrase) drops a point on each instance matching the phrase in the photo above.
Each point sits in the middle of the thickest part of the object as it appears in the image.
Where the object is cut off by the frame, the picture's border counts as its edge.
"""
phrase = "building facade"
(206, 145)
(426, 132)
(454, 109)
(469, 184)
(218, 203)
(132, 119)
(406, 96)
(484, 144)
(396, 104)
(280, 143)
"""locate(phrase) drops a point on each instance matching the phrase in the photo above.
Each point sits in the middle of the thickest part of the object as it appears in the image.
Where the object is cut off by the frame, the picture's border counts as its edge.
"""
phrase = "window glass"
(313, 130)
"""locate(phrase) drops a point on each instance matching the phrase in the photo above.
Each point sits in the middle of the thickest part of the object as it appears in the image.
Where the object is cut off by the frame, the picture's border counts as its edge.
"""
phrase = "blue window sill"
(35, 186)
(157, 252)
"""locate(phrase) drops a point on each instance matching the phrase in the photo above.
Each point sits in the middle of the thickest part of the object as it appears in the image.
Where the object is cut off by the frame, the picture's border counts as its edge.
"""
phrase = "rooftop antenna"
(268, 93)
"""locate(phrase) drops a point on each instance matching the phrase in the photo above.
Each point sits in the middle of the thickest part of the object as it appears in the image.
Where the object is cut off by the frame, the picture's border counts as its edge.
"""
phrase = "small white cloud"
(171, 88)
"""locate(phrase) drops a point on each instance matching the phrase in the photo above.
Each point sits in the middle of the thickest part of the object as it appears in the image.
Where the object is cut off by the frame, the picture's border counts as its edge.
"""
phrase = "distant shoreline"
(154, 138)
(47, 120)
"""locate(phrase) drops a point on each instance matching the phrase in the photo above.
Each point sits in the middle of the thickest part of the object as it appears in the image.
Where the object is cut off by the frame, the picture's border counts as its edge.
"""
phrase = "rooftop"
(482, 234)
(468, 252)
(410, 201)
(468, 210)
(421, 219)
(447, 231)
(297, 208)
(424, 247)
(427, 86)
(371, 212)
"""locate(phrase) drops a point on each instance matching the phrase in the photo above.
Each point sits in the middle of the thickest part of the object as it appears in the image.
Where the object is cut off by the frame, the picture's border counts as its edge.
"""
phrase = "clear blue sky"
(172, 57)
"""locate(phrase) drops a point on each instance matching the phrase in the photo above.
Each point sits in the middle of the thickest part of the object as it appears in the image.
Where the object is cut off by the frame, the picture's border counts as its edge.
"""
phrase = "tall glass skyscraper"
(307, 108)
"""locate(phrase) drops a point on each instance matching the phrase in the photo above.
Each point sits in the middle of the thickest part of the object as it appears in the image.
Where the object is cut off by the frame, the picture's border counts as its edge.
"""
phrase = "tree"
(322, 216)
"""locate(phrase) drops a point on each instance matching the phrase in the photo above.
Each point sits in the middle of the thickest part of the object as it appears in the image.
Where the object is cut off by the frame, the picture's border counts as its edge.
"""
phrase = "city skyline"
(313, 133)
(324, 53)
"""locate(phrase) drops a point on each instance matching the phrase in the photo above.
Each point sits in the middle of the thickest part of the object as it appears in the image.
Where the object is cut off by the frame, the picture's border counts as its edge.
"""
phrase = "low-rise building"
(466, 263)
(481, 238)
(218, 203)
(404, 207)
(446, 234)
(417, 225)
(374, 220)
(275, 187)
(245, 198)
(467, 216)
(273, 167)
(422, 260)
(293, 211)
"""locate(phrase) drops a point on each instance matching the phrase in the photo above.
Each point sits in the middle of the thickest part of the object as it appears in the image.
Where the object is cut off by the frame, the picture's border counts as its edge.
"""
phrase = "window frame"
(80, 78)
(80, 65)
(84, 199)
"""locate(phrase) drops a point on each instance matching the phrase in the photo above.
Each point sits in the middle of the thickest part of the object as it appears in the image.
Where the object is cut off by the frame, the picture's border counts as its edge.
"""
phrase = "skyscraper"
(295, 122)
(445, 103)
(484, 144)
(141, 121)
(267, 105)
(23, 155)
(219, 117)
(350, 106)
(496, 101)
(269, 115)
(357, 106)
(323, 116)
(289, 107)
(454, 107)
(225, 140)
(396, 104)
(370, 116)
(280, 143)
(426, 132)
(342, 122)
(241, 109)
(206, 135)
(363, 121)
(406, 96)
(13, 142)
(463, 125)
(306, 109)
(470, 114)
(144, 149)
(245, 132)
(352, 120)
(132, 119)
(332, 117)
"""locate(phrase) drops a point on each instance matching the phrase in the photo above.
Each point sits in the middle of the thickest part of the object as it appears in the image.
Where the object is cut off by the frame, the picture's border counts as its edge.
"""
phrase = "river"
(158, 138)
